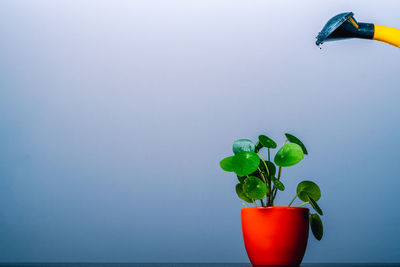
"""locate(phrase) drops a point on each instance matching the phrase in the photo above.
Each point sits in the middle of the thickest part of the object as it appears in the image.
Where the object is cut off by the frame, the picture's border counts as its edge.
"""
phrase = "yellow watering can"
(344, 25)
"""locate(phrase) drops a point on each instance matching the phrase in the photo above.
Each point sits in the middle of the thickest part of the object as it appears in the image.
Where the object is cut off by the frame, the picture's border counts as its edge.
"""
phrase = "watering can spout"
(344, 26)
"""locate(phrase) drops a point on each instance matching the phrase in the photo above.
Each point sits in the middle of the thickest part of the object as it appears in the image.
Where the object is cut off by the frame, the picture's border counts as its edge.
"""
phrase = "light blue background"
(115, 114)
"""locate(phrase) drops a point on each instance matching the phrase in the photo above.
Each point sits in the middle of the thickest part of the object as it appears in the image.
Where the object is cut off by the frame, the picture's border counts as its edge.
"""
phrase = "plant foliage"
(260, 178)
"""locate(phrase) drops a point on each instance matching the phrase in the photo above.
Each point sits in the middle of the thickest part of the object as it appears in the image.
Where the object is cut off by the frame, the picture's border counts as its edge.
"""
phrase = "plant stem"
(279, 173)
(262, 203)
(265, 164)
(269, 203)
(269, 181)
(292, 200)
(269, 156)
(275, 190)
(254, 202)
(262, 176)
(279, 177)
(304, 203)
(274, 196)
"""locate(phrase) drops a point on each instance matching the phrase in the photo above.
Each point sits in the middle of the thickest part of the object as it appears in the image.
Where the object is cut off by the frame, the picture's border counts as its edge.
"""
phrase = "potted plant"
(273, 235)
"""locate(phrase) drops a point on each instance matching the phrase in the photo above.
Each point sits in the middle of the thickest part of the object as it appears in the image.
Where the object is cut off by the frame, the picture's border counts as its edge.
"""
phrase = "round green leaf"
(294, 139)
(263, 169)
(306, 189)
(278, 184)
(243, 145)
(267, 173)
(227, 164)
(241, 194)
(289, 155)
(258, 147)
(316, 226)
(254, 188)
(315, 206)
(267, 142)
(271, 168)
(245, 163)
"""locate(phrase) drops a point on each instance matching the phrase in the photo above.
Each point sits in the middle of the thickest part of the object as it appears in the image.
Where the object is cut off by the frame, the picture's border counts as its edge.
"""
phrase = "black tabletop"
(190, 264)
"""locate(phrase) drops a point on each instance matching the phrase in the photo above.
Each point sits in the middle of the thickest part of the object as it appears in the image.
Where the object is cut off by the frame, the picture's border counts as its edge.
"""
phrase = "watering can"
(344, 26)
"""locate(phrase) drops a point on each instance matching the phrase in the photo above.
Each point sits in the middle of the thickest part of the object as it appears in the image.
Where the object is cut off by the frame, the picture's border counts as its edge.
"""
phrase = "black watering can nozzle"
(343, 26)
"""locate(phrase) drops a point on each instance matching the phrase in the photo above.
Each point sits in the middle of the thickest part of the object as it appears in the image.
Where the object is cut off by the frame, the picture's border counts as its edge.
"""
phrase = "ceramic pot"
(275, 235)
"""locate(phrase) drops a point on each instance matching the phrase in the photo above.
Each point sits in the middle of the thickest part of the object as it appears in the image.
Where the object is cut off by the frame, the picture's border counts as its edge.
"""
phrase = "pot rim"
(278, 208)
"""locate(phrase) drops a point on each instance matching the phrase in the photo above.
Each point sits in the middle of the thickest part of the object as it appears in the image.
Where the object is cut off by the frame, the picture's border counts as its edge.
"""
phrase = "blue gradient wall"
(115, 114)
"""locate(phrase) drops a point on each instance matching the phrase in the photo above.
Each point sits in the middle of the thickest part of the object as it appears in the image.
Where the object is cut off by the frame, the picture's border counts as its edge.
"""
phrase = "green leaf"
(278, 184)
(241, 178)
(241, 194)
(294, 139)
(316, 226)
(243, 145)
(267, 142)
(258, 147)
(315, 206)
(227, 164)
(306, 189)
(289, 155)
(254, 188)
(271, 168)
(245, 163)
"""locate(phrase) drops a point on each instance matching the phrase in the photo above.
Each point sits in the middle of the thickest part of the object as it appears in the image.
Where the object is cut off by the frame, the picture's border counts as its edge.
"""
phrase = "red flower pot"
(275, 235)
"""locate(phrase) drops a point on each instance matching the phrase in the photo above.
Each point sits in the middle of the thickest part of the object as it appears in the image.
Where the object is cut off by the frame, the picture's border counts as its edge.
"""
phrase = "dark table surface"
(191, 264)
